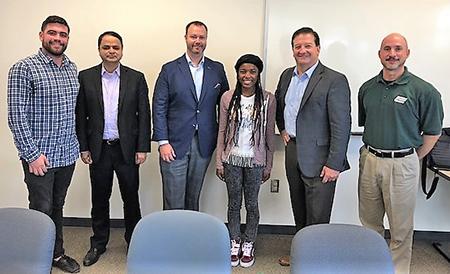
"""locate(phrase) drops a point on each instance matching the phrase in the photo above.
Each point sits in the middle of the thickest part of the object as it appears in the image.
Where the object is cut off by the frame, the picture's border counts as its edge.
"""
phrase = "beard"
(56, 52)
(198, 49)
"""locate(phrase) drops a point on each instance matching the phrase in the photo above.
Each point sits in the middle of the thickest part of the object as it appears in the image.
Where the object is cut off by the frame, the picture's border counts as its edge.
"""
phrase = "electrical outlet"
(274, 185)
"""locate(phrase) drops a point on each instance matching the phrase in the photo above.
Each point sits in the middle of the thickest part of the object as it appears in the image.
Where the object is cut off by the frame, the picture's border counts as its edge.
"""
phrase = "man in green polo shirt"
(402, 118)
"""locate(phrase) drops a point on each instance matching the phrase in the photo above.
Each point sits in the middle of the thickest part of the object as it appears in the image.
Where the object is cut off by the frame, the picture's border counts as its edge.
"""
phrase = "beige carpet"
(268, 248)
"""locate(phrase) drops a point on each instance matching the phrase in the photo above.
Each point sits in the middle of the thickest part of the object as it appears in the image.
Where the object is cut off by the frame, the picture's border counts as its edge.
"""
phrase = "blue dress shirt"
(294, 96)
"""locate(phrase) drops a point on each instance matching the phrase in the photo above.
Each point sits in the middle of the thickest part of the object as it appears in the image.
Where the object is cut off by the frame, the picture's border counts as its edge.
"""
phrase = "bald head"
(394, 37)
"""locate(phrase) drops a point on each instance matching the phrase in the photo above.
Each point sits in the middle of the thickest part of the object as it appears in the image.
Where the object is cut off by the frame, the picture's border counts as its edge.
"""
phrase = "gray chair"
(340, 248)
(179, 241)
(27, 239)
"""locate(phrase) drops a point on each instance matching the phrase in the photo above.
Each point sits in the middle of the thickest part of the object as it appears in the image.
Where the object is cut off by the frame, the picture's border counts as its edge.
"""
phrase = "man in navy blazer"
(313, 117)
(113, 129)
(185, 101)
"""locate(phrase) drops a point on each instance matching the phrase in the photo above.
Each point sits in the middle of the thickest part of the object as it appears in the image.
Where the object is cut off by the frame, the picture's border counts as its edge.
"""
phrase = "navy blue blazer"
(177, 111)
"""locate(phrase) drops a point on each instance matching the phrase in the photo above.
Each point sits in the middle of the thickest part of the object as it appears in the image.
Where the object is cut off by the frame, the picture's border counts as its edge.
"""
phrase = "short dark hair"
(111, 33)
(196, 23)
(306, 30)
(55, 19)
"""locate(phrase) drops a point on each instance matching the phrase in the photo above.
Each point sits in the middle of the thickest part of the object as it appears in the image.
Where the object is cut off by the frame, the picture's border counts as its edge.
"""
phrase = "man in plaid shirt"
(42, 92)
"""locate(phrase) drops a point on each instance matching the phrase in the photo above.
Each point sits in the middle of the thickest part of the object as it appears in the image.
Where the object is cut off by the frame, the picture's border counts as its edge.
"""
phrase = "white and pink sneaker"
(247, 258)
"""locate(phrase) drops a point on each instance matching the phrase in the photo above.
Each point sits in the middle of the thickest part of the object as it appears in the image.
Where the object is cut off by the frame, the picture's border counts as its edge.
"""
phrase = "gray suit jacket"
(323, 121)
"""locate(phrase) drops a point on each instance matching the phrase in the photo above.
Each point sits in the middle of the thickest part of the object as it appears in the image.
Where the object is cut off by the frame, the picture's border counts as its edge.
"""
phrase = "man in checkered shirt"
(42, 92)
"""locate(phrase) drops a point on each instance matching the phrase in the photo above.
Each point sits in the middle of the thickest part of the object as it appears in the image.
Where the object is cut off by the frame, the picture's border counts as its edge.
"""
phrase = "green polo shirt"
(395, 115)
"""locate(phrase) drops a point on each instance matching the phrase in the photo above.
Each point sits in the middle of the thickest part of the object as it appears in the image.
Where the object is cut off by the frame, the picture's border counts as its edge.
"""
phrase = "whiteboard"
(351, 32)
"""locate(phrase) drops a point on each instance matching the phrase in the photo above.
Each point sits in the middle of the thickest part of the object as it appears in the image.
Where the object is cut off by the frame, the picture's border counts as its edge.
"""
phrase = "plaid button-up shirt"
(41, 109)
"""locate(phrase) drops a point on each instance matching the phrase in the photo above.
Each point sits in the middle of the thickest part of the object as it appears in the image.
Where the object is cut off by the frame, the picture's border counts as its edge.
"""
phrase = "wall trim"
(267, 229)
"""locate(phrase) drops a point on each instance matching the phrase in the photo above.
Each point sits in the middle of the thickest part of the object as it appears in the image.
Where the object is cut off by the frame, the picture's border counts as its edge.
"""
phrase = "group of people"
(103, 115)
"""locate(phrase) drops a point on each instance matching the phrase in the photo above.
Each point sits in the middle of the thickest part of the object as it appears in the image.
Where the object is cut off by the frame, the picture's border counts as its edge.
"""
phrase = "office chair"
(340, 248)
(27, 239)
(179, 241)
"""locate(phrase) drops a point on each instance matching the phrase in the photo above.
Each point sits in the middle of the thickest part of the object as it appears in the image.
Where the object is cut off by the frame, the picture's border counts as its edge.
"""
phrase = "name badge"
(400, 99)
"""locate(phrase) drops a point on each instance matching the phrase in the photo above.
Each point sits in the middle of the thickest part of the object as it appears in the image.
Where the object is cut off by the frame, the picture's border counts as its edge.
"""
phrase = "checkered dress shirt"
(41, 109)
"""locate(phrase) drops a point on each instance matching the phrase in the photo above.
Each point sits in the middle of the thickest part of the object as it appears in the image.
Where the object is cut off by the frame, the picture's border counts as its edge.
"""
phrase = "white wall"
(153, 34)
(351, 32)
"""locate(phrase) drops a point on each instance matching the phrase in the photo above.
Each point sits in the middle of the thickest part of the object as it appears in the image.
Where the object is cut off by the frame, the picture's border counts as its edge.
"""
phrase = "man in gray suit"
(313, 117)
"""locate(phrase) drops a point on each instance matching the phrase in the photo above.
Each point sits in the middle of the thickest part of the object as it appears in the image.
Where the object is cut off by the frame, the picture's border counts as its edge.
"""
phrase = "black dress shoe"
(67, 264)
(92, 256)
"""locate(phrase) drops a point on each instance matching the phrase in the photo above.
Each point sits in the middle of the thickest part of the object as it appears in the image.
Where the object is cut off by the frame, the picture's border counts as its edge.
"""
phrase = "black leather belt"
(111, 142)
(292, 139)
(392, 154)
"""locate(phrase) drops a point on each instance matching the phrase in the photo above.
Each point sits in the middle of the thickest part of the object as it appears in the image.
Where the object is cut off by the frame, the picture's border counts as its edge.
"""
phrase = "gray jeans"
(245, 179)
(183, 179)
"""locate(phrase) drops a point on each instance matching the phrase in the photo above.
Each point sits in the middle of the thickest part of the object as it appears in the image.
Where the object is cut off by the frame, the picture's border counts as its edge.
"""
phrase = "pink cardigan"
(263, 151)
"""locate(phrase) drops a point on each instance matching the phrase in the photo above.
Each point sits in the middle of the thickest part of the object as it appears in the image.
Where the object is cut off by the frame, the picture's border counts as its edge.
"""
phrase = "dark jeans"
(101, 173)
(247, 180)
(311, 199)
(47, 194)
(183, 179)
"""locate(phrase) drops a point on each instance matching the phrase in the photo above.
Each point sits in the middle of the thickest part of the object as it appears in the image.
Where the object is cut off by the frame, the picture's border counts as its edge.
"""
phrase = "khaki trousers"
(389, 185)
